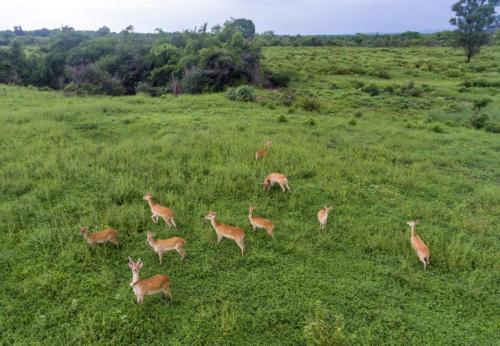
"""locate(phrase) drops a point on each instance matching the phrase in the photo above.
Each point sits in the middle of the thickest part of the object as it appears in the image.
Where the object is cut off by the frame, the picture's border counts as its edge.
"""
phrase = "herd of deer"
(161, 283)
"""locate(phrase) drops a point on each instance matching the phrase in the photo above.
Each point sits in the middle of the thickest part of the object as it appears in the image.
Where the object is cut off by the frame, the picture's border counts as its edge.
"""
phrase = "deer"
(145, 287)
(261, 153)
(226, 231)
(101, 237)
(164, 245)
(323, 216)
(418, 245)
(160, 211)
(273, 178)
(259, 222)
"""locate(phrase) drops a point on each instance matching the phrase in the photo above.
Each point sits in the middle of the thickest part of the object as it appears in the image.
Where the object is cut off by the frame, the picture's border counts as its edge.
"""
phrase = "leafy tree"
(245, 26)
(103, 31)
(473, 18)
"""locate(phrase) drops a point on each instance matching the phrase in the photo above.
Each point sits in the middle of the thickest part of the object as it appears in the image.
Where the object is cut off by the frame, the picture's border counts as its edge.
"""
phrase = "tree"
(245, 26)
(473, 18)
(103, 31)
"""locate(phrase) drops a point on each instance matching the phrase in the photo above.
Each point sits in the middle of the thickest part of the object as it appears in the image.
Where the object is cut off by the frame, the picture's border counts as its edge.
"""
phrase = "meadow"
(382, 135)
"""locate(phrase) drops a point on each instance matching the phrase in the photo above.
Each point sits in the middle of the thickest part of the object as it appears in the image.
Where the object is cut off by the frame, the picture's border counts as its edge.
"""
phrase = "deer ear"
(417, 222)
(141, 265)
(130, 265)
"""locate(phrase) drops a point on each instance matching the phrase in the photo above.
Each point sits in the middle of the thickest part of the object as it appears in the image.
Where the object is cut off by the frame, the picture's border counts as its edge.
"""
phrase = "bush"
(481, 103)
(282, 119)
(478, 121)
(492, 127)
(245, 93)
(319, 331)
(437, 129)
(193, 81)
(310, 104)
(288, 98)
(371, 89)
(381, 73)
(278, 78)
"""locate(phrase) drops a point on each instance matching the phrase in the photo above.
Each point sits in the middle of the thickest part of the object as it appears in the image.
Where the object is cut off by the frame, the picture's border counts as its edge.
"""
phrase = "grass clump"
(244, 93)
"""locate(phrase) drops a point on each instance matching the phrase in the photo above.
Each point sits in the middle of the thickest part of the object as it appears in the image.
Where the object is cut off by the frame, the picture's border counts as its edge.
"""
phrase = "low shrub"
(478, 121)
(282, 119)
(310, 104)
(244, 93)
(481, 103)
(371, 89)
(279, 78)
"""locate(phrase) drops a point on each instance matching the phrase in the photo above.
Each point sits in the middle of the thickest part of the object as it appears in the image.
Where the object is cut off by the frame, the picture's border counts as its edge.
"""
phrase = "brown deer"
(225, 231)
(274, 178)
(163, 245)
(418, 245)
(101, 237)
(145, 287)
(261, 153)
(259, 222)
(160, 211)
(323, 217)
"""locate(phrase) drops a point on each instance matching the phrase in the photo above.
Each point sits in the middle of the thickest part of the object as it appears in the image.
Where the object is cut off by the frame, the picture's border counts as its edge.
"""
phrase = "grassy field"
(380, 155)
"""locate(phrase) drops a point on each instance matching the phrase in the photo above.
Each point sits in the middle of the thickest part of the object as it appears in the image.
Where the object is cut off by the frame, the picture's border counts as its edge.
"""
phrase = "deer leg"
(219, 238)
(160, 254)
(288, 187)
(172, 222)
(155, 218)
(254, 228)
(181, 252)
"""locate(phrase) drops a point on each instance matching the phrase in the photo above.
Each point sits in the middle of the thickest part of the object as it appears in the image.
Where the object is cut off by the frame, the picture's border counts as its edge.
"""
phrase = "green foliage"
(478, 120)
(473, 18)
(310, 103)
(371, 89)
(320, 331)
(245, 93)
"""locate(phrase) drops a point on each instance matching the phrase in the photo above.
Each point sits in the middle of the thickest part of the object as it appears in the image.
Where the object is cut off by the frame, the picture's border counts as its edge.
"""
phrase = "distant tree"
(103, 31)
(159, 30)
(129, 28)
(245, 26)
(18, 30)
(473, 18)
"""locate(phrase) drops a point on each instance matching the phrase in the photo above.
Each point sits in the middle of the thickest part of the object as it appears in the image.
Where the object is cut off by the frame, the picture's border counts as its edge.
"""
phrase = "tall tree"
(473, 18)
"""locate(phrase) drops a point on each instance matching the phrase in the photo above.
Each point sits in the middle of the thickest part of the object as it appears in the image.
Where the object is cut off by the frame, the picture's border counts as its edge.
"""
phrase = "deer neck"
(152, 242)
(412, 230)
(135, 278)
(215, 225)
(86, 235)
(151, 203)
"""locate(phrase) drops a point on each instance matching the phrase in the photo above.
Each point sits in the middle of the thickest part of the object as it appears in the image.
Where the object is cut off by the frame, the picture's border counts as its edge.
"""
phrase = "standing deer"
(101, 237)
(160, 211)
(323, 217)
(259, 222)
(273, 178)
(418, 245)
(225, 231)
(261, 153)
(145, 287)
(164, 245)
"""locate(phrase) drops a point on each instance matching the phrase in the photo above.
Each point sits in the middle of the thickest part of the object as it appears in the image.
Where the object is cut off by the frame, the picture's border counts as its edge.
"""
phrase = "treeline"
(191, 61)
(103, 62)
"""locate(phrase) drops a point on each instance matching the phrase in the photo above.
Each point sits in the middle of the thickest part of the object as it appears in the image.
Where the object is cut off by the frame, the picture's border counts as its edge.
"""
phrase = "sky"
(281, 16)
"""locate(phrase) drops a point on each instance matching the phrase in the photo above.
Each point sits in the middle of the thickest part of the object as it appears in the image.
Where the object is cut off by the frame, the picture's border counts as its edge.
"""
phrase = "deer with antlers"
(145, 287)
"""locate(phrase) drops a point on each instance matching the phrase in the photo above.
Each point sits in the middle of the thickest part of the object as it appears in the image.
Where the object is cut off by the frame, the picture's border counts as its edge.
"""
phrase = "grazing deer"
(160, 211)
(323, 217)
(108, 235)
(145, 287)
(164, 245)
(273, 178)
(259, 222)
(261, 153)
(418, 245)
(225, 231)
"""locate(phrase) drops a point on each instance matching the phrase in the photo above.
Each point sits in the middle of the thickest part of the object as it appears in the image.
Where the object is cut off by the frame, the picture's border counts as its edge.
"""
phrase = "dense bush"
(371, 89)
(279, 78)
(478, 121)
(310, 103)
(245, 93)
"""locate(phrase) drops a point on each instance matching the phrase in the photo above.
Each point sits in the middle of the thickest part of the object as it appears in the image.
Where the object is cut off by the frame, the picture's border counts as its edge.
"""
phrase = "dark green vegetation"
(190, 62)
(380, 134)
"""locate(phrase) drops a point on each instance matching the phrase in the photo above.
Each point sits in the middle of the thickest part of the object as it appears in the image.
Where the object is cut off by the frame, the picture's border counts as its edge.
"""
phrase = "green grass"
(68, 161)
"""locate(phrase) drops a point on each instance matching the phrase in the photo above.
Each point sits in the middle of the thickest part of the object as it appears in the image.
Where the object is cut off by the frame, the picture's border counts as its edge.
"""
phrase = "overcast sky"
(282, 16)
